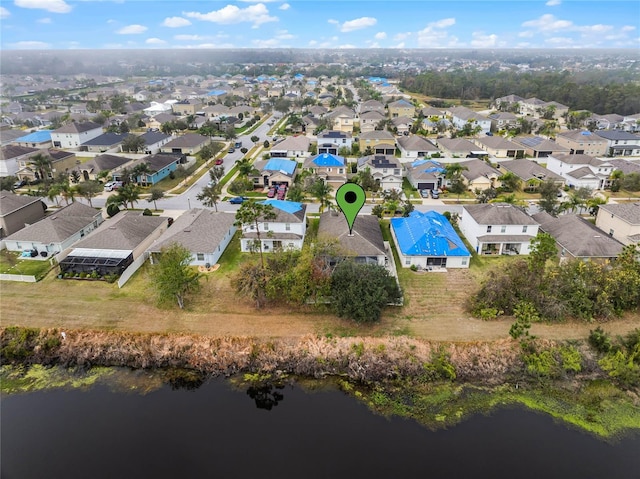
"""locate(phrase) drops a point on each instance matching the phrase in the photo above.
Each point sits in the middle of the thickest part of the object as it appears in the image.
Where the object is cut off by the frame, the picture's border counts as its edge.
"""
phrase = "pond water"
(217, 431)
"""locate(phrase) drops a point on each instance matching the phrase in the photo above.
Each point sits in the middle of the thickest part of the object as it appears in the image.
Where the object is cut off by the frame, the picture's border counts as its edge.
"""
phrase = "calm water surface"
(218, 432)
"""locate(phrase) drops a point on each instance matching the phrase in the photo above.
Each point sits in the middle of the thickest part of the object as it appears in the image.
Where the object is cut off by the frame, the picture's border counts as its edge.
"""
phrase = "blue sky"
(67, 24)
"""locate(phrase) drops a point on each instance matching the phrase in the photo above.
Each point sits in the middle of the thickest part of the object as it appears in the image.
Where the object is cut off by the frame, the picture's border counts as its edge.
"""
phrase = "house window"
(200, 256)
(407, 261)
(266, 226)
(503, 229)
(464, 262)
(489, 229)
(524, 229)
(287, 226)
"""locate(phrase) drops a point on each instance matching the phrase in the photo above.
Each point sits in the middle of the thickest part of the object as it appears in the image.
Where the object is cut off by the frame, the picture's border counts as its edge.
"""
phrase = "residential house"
(291, 147)
(188, 144)
(531, 173)
(73, 135)
(156, 121)
(159, 167)
(369, 120)
(18, 211)
(425, 174)
(385, 169)
(621, 221)
(508, 102)
(114, 245)
(503, 121)
(460, 148)
(414, 147)
(498, 228)
(480, 175)
(380, 142)
(333, 141)
(582, 143)
(61, 161)
(187, 107)
(317, 111)
(499, 147)
(434, 113)
(577, 238)
(620, 143)
(154, 141)
(286, 231)
(625, 166)
(363, 245)
(273, 172)
(373, 105)
(157, 107)
(581, 171)
(205, 233)
(428, 241)
(612, 121)
(11, 156)
(332, 169)
(343, 118)
(36, 139)
(538, 147)
(461, 116)
(401, 108)
(98, 166)
(9, 136)
(402, 124)
(107, 142)
(532, 107)
(56, 232)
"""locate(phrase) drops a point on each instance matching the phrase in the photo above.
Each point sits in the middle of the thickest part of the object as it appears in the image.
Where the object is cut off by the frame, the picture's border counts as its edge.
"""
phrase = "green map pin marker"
(350, 198)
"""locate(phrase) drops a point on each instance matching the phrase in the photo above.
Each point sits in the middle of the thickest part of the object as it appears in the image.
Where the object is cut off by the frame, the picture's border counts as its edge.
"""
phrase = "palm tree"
(244, 166)
(43, 166)
(322, 191)
(510, 181)
(129, 193)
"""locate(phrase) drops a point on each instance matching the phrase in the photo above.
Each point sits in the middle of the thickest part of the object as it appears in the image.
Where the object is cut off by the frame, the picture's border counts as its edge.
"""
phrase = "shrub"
(112, 210)
(413, 267)
(600, 340)
(147, 212)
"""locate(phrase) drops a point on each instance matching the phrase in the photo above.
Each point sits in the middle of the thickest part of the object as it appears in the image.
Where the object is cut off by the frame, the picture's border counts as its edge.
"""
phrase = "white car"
(112, 185)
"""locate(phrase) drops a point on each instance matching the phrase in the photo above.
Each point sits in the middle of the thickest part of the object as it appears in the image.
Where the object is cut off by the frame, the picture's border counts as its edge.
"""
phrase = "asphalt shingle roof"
(366, 239)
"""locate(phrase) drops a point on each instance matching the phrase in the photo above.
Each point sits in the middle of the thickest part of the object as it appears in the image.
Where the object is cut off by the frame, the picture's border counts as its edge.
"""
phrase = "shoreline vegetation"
(438, 384)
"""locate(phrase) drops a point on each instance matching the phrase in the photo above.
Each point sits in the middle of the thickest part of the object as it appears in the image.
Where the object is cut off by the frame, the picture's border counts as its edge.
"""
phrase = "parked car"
(272, 192)
(19, 184)
(219, 161)
(231, 150)
(112, 185)
(424, 193)
(237, 200)
(435, 194)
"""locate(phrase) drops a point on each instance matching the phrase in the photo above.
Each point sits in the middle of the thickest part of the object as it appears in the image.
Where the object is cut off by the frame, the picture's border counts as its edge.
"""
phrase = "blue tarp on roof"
(280, 164)
(377, 80)
(327, 159)
(216, 92)
(427, 234)
(286, 206)
(298, 76)
(428, 166)
(36, 137)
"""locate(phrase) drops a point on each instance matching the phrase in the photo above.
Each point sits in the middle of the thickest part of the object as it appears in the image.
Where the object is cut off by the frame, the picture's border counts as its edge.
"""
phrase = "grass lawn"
(168, 183)
(11, 263)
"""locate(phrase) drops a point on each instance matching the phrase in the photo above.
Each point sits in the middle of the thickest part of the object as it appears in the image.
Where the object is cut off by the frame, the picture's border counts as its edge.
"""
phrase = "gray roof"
(458, 145)
(187, 141)
(498, 214)
(10, 202)
(617, 135)
(106, 139)
(372, 115)
(379, 161)
(125, 231)
(377, 135)
(477, 168)
(629, 212)
(367, 236)
(292, 143)
(527, 170)
(579, 237)
(153, 137)
(579, 159)
(582, 172)
(416, 143)
(58, 226)
(77, 127)
(14, 151)
(198, 230)
(625, 166)
(158, 161)
(581, 135)
(104, 162)
(537, 143)
(499, 143)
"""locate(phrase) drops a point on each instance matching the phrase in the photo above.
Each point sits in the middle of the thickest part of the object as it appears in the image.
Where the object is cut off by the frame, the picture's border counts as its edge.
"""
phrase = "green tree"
(251, 281)
(240, 185)
(245, 166)
(173, 278)
(549, 190)
(210, 195)
(156, 193)
(361, 291)
(133, 143)
(510, 182)
(129, 193)
(43, 166)
(295, 193)
(89, 190)
(251, 214)
(322, 192)
(542, 248)
(216, 174)
(255, 139)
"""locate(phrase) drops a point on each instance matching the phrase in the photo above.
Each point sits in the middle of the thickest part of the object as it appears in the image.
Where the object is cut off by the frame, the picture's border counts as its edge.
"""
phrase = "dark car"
(19, 184)
(231, 150)
(237, 200)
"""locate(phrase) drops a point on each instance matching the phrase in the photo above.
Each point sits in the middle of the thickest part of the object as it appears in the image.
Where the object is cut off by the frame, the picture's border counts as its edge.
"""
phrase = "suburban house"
(538, 147)
(18, 211)
(460, 148)
(286, 231)
(343, 118)
(433, 113)
(401, 108)
(291, 147)
(74, 134)
(158, 120)
(621, 143)
(414, 147)
(582, 143)
(12, 156)
(385, 169)
(365, 243)
(369, 120)
(154, 141)
(188, 144)
(537, 108)
(372, 105)
(331, 168)
(106, 142)
(402, 124)
(499, 147)
(159, 167)
(92, 169)
(56, 232)
(187, 107)
(461, 116)
(531, 173)
(503, 120)
(577, 238)
(205, 233)
(612, 121)
(498, 228)
(381, 142)
(425, 174)
(115, 244)
(581, 170)
(625, 166)
(480, 174)
(61, 161)
(507, 102)
(157, 107)
(273, 172)
(332, 141)
(621, 221)
(428, 241)
(35, 139)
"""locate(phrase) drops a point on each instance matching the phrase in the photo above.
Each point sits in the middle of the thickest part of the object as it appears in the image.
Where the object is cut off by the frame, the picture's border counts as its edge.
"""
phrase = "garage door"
(426, 186)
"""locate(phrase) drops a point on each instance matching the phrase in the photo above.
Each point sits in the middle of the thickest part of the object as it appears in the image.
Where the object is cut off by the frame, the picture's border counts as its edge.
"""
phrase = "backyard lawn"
(12, 263)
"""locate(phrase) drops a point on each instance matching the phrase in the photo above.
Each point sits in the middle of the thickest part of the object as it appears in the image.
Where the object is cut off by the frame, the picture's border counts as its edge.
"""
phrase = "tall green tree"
(172, 277)
(510, 182)
(549, 190)
(156, 194)
(322, 192)
(133, 144)
(129, 193)
(251, 214)
(210, 195)
(89, 190)
(43, 166)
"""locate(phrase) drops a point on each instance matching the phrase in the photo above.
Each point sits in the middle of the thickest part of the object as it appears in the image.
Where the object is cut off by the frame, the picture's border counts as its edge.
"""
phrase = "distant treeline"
(600, 92)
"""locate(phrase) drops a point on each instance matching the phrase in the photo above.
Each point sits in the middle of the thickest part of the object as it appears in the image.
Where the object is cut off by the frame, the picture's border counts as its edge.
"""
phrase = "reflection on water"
(266, 396)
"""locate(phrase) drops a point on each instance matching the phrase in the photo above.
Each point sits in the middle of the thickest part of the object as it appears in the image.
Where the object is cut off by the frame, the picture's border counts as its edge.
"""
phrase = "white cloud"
(553, 3)
(526, 34)
(270, 43)
(284, 6)
(54, 6)
(312, 43)
(175, 22)
(28, 45)
(596, 29)
(628, 28)
(401, 36)
(284, 35)
(358, 24)
(208, 45)
(4, 13)
(399, 45)
(560, 41)
(333, 21)
(44, 20)
(548, 23)
(155, 41)
(255, 14)
(435, 34)
(346, 45)
(373, 44)
(380, 35)
(258, 1)
(132, 30)
(189, 38)
(480, 40)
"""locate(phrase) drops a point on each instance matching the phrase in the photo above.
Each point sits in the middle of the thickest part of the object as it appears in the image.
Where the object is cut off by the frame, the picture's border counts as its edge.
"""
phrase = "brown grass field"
(434, 309)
